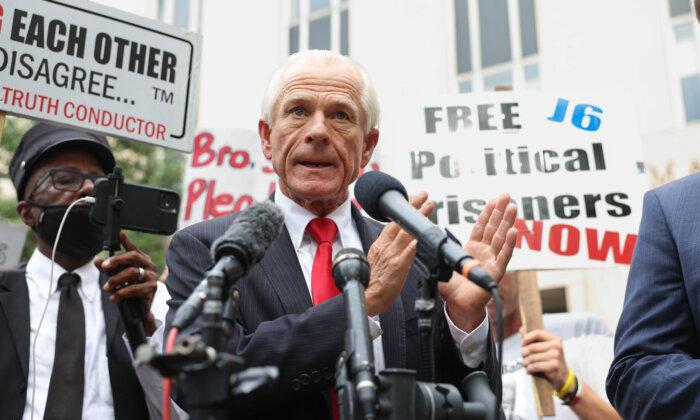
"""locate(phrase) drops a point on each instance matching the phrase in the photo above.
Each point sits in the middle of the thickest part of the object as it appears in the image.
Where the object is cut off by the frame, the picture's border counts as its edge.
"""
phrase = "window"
(496, 44)
(465, 87)
(682, 19)
(679, 7)
(184, 14)
(532, 72)
(344, 49)
(320, 34)
(316, 5)
(528, 36)
(683, 31)
(294, 17)
(181, 13)
(690, 85)
(464, 59)
(495, 36)
(319, 24)
(294, 39)
(502, 79)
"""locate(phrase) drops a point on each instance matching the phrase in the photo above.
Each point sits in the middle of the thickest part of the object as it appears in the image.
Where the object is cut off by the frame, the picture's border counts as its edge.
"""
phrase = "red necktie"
(323, 230)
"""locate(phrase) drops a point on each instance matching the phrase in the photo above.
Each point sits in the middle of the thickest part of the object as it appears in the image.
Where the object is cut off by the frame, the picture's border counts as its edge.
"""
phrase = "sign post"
(2, 125)
(531, 317)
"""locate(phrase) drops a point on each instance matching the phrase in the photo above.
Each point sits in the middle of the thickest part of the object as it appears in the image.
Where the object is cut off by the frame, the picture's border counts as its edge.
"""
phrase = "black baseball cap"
(43, 139)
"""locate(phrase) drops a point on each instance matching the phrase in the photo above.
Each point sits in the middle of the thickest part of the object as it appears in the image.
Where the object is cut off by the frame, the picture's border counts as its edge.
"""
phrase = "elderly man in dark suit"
(319, 127)
(62, 355)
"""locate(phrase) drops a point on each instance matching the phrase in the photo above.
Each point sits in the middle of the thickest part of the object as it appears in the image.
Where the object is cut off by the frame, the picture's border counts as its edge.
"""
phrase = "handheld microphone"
(385, 199)
(351, 275)
(235, 252)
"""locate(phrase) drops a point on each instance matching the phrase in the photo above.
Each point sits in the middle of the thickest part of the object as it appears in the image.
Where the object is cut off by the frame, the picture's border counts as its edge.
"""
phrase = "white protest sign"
(89, 66)
(11, 243)
(571, 163)
(226, 173)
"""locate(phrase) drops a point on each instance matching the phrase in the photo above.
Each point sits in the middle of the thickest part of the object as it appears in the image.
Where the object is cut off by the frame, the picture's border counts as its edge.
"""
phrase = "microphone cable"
(89, 200)
(169, 345)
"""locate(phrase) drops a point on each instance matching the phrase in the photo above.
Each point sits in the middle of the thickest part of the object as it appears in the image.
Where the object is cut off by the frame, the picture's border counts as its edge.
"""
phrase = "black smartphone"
(146, 209)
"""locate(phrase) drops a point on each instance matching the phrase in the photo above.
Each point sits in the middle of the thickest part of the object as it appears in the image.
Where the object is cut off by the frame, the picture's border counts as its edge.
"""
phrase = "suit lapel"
(14, 301)
(111, 314)
(391, 321)
(282, 269)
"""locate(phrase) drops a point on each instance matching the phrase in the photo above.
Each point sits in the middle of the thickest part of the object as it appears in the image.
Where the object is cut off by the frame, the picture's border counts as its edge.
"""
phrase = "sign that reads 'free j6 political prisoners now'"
(89, 66)
(571, 163)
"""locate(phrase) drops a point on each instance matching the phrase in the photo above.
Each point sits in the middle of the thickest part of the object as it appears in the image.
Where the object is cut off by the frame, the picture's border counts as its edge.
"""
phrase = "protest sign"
(92, 67)
(571, 163)
(11, 243)
(227, 172)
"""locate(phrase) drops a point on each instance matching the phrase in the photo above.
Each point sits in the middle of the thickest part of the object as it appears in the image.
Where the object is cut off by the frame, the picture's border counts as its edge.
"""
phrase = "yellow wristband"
(566, 389)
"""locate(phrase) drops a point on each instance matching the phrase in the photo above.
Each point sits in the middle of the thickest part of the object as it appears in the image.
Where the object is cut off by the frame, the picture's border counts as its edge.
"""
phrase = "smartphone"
(146, 209)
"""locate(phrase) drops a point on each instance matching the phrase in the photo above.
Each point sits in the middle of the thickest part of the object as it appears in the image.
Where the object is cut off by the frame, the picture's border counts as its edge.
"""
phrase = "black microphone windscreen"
(250, 234)
(371, 186)
(350, 263)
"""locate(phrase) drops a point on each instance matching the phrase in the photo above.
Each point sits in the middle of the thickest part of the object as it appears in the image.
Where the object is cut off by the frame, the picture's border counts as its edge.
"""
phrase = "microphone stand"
(433, 270)
(425, 308)
(396, 394)
(209, 375)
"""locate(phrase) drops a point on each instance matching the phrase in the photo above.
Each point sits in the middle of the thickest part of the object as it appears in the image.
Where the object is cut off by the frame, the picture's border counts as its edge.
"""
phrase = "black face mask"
(79, 237)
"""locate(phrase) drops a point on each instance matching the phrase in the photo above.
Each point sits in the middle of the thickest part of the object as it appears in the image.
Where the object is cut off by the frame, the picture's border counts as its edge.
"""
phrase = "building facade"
(648, 49)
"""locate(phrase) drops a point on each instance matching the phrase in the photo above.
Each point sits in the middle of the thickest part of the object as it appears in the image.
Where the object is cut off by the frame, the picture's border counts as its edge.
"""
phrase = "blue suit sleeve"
(655, 373)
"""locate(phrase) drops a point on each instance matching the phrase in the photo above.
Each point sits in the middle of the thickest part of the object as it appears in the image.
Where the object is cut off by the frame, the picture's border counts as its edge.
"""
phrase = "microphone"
(351, 275)
(235, 252)
(385, 199)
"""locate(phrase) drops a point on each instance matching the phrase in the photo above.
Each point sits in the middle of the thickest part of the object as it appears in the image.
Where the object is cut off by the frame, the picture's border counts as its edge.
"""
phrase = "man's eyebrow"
(295, 97)
(346, 103)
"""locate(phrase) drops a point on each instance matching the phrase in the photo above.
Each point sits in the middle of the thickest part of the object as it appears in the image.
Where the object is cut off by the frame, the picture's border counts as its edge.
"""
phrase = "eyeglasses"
(65, 179)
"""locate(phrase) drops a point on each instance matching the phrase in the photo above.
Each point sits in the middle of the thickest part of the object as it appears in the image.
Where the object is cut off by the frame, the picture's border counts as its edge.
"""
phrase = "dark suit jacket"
(656, 372)
(280, 326)
(129, 402)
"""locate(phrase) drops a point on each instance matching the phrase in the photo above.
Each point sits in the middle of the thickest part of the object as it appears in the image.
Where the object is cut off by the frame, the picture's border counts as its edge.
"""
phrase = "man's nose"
(87, 188)
(317, 129)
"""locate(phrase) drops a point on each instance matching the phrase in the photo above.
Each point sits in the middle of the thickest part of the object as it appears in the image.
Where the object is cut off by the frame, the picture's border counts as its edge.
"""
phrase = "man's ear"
(371, 139)
(265, 131)
(29, 217)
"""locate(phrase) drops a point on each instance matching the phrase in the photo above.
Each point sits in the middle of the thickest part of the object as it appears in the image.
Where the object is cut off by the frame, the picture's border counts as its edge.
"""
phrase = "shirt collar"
(296, 218)
(39, 270)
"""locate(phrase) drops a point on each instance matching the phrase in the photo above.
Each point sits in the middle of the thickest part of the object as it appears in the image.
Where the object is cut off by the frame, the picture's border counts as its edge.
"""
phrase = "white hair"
(368, 96)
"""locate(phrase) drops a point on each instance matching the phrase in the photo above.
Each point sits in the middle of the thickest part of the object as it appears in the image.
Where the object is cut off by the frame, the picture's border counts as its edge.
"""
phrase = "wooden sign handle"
(531, 316)
(2, 124)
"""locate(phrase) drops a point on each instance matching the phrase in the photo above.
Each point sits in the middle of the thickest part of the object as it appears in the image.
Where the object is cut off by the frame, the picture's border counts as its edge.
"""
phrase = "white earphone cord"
(90, 200)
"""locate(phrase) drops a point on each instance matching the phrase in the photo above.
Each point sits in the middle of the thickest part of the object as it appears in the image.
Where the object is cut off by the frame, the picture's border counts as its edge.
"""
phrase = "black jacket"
(129, 402)
(281, 327)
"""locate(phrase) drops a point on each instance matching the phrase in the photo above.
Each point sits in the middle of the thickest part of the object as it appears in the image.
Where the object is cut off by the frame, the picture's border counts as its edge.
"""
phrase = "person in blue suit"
(656, 369)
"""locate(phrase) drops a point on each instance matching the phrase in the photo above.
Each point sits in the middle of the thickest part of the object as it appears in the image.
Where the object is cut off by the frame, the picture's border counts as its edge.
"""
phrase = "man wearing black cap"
(62, 355)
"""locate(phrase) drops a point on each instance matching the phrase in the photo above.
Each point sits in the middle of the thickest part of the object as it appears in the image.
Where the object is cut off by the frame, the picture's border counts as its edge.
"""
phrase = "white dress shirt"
(472, 346)
(97, 395)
